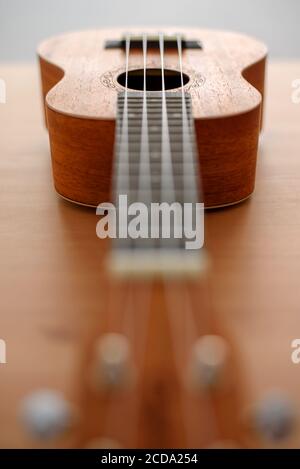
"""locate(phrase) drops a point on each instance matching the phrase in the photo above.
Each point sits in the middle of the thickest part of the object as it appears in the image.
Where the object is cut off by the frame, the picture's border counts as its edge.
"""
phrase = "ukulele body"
(81, 79)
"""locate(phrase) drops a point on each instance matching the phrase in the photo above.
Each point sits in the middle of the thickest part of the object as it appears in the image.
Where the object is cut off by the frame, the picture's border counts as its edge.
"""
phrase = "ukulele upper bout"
(81, 79)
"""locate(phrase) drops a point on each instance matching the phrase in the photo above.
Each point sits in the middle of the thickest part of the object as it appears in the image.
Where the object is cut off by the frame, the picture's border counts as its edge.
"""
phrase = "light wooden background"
(50, 260)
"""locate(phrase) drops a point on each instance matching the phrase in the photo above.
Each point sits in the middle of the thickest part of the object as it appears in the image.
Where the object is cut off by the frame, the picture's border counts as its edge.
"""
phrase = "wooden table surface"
(50, 260)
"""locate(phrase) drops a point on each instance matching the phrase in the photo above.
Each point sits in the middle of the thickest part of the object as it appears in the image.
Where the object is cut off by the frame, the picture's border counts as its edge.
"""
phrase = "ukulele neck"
(155, 165)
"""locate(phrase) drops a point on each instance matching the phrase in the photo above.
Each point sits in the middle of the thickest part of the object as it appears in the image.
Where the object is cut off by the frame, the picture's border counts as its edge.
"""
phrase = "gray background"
(23, 23)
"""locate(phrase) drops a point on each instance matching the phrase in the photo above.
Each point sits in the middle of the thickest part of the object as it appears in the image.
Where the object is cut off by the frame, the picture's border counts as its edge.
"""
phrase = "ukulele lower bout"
(80, 106)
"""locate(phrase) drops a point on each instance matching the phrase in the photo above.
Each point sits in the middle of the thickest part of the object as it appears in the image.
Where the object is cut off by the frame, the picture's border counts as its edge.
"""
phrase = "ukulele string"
(144, 193)
(189, 151)
(144, 181)
(167, 187)
(202, 327)
(140, 299)
(184, 328)
(183, 316)
(184, 332)
(130, 316)
(188, 162)
(136, 303)
(167, 181)
(141, 312)
(175, 317)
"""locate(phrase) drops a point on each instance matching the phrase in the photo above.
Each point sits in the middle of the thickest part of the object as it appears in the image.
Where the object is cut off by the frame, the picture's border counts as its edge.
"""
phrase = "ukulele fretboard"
(155, 163)
(131, 157)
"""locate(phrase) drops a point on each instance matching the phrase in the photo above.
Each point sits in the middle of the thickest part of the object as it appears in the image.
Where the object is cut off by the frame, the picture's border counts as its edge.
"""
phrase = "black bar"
(152, 43)
(138, 458)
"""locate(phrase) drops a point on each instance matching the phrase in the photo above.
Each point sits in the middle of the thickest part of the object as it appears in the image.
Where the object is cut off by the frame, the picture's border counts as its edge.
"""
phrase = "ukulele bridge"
(136, 42)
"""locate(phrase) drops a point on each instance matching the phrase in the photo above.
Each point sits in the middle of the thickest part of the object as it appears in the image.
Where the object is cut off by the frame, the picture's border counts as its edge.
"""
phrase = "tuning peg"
(209, 361)
(273, 418)
(112, 368)
(103, 443)
(46, 414)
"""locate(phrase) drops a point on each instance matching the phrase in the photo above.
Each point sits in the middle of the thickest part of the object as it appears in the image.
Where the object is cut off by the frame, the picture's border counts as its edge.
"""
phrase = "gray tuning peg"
(112, 368)
(208, 363)
(46, 414)
(274, 417)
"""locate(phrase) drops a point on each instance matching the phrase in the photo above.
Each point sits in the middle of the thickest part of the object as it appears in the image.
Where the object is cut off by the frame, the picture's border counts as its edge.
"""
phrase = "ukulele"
(171, 116)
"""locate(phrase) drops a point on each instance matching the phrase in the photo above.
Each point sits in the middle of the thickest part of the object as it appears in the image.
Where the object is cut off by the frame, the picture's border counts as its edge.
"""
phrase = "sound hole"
(153, 79)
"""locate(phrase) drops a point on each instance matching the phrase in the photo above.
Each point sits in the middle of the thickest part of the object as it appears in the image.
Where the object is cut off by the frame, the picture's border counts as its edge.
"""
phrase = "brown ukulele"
(158, 116)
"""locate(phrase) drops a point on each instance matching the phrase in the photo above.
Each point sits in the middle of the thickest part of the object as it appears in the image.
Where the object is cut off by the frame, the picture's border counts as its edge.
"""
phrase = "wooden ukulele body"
(80, 85)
